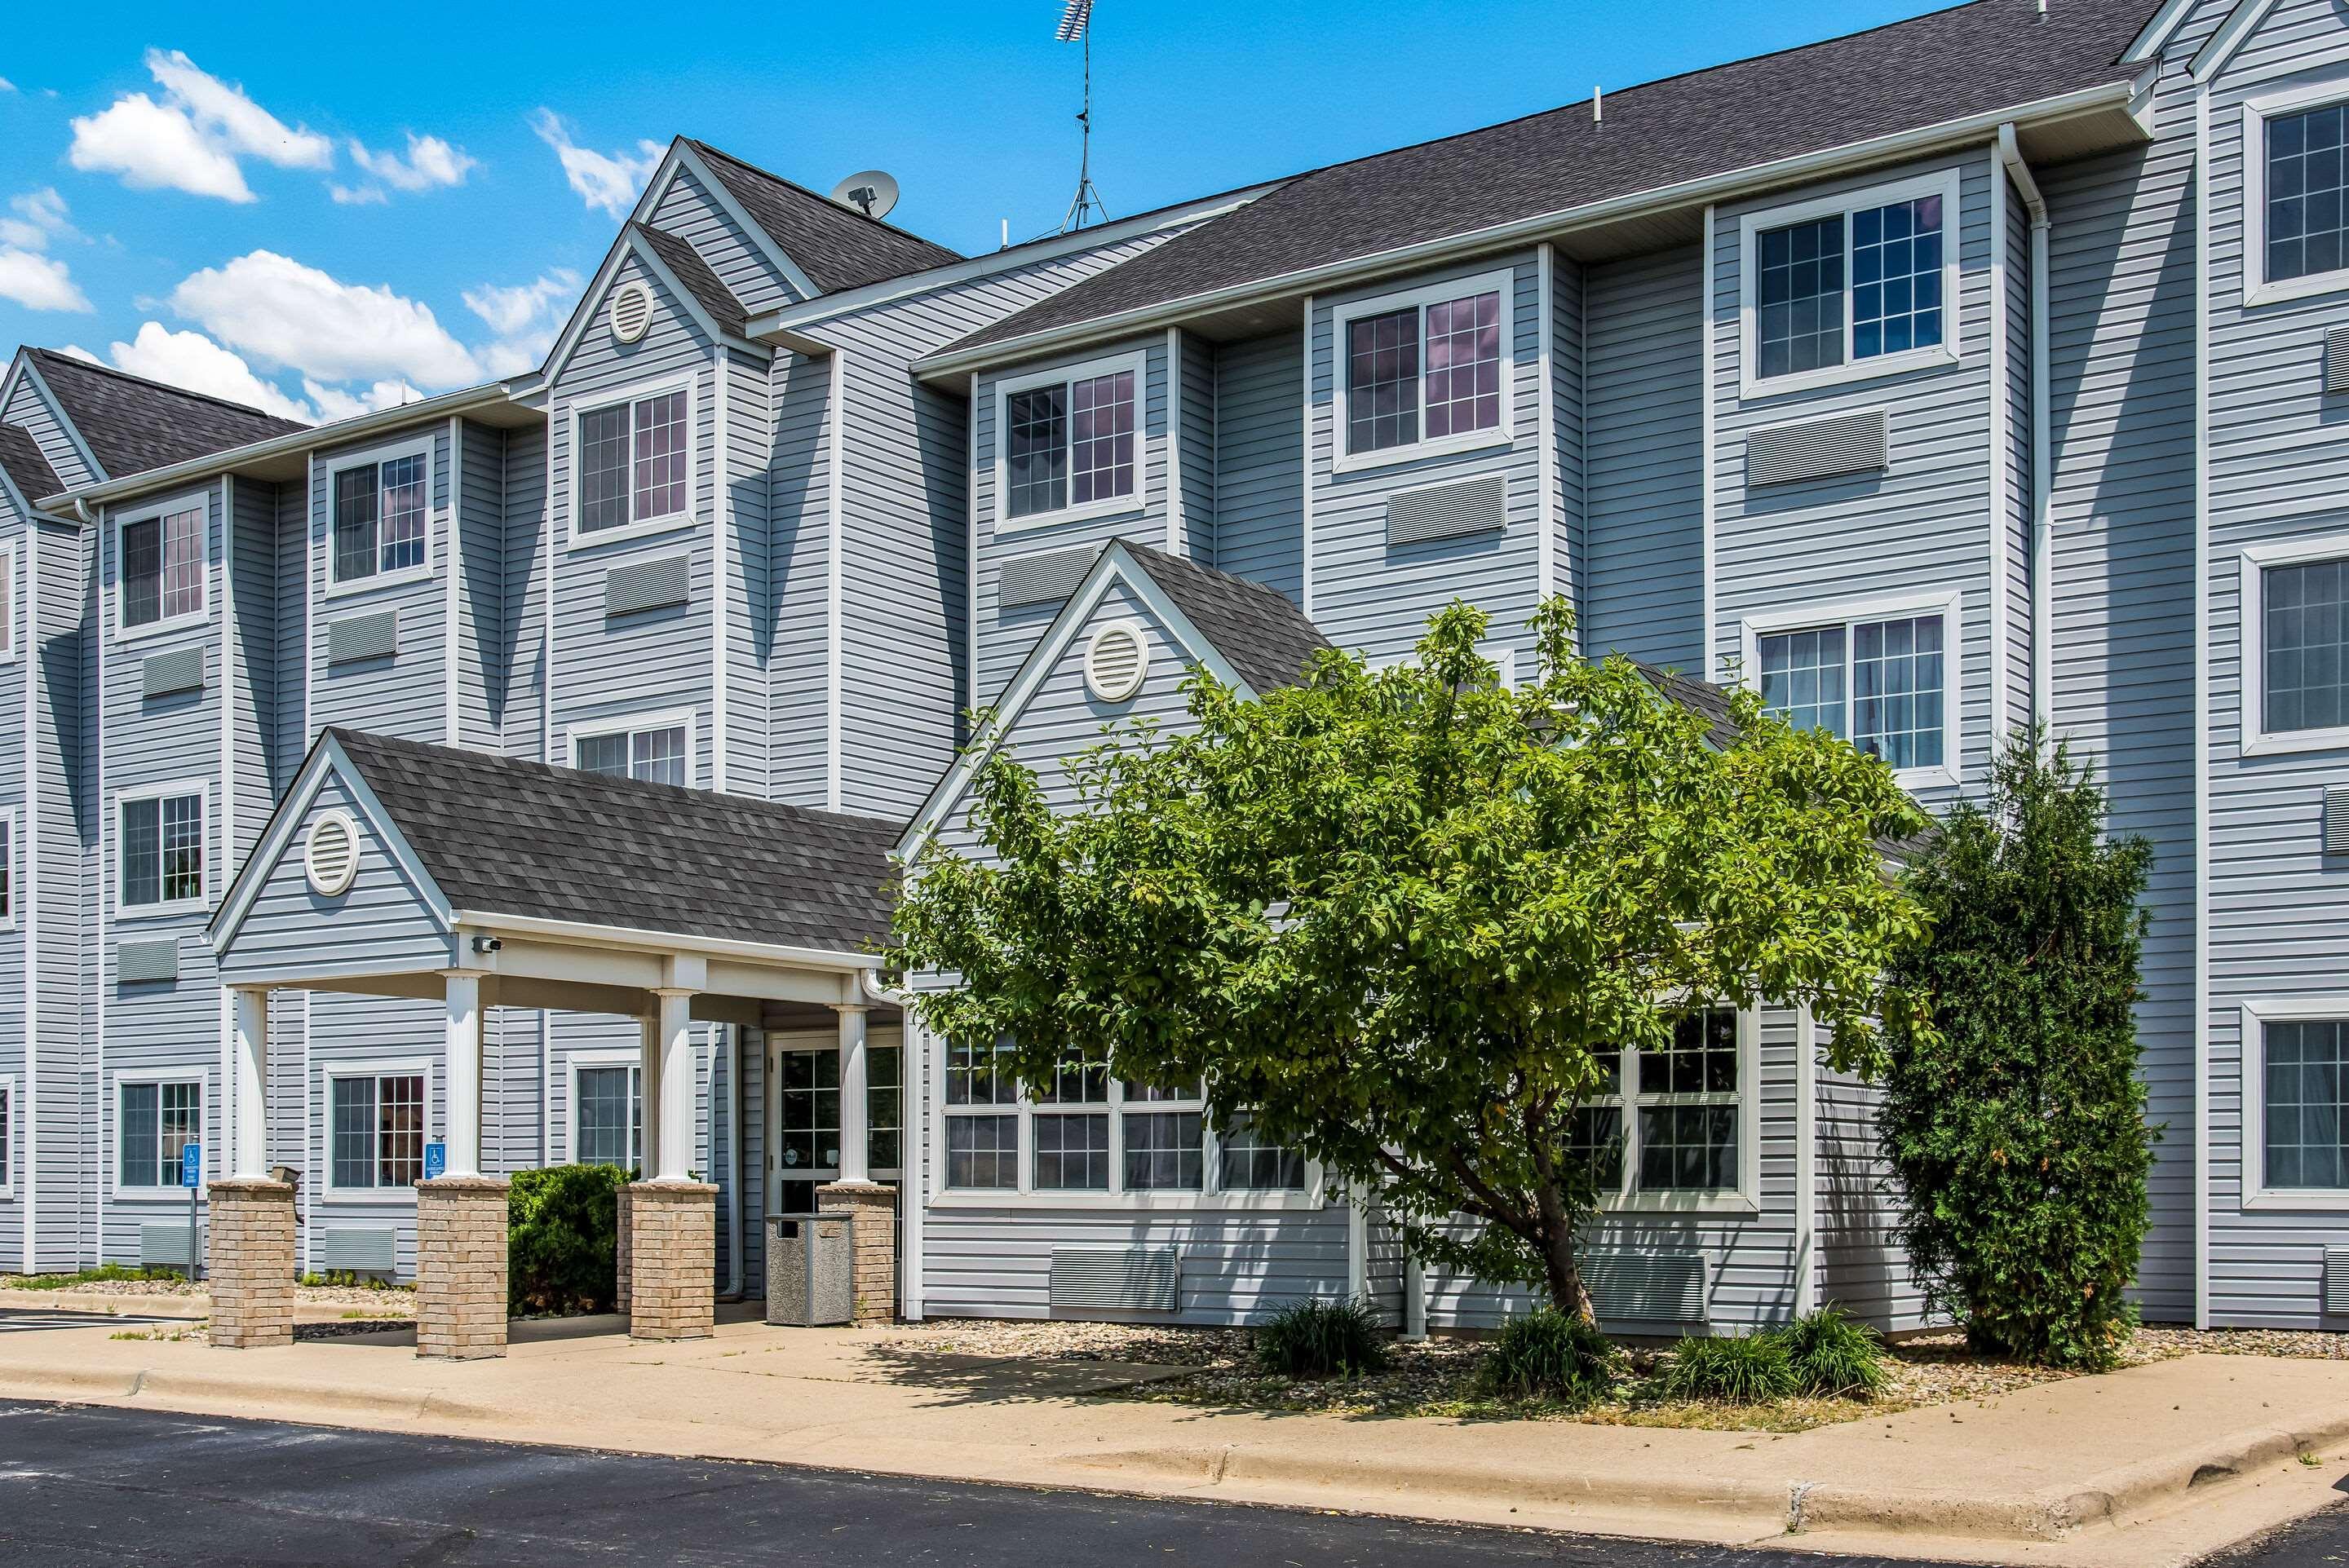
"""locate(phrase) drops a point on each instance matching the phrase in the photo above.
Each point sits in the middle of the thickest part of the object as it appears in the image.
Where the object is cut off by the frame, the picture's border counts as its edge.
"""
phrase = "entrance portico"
(399, 870)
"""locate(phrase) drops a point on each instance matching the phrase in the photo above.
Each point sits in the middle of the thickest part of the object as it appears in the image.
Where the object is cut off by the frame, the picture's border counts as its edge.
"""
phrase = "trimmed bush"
(1549, 1355)
(563, 1239)
(1833, 1354)
(1321, 1339)
(1745, 1369)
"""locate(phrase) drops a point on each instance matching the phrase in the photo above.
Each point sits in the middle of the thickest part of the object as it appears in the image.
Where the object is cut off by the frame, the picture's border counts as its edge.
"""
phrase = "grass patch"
(105, 1274)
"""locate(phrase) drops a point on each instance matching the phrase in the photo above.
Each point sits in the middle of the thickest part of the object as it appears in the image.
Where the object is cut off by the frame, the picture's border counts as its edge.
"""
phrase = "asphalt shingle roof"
(695, 273)
(502, 835)
(1264, 637)
(1948, 64)
(133, 424)
(837, 247)
(20, 457)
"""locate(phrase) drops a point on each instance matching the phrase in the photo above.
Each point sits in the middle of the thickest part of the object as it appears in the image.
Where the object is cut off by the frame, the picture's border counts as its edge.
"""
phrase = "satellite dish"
(872, 192)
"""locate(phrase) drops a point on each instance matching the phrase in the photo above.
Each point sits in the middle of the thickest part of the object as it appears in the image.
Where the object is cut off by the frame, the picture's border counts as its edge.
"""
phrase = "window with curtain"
(162, 568)
(633, 462)
(378, 1122)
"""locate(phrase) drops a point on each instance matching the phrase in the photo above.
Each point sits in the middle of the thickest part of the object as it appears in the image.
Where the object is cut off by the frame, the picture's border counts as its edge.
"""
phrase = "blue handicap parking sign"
(191, 1165)
(435, 1159)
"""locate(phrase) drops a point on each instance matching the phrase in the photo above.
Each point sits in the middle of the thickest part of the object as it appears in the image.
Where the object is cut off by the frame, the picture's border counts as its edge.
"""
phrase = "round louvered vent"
(1116, 660)
(330, 855)
(631, 311)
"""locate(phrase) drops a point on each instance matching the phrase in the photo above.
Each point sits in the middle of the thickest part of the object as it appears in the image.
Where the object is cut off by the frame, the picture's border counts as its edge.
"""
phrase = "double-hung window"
(1882, 680)
(657, 750)
(2295, 1103)
(1072, 1113)
(607, 1114)
(376, 1121)
(379, 517)
(981, 1125)
(1680, 1137)
(2295, 645)
(2295, 185)
(154, 1119)
(161, 567)
(1426, 372)
(1856, 285)
(160, 850)
(633, 462)
(1068, 440)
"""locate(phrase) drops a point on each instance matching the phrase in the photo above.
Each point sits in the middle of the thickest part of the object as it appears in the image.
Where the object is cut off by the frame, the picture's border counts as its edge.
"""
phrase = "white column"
(673, 1161)
(853, 1166)
(249, 1095)
(648, 1118)
(463, 1118)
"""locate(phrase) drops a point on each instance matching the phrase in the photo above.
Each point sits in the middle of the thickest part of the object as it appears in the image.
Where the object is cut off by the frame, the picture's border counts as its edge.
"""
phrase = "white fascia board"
(686, 297)
(2155, 33)
(1541, 225)
(784, 319)
(73, 432)
(277, 837)
(591, 306)
(2231, 35)
(589, 935)
(1115, 563)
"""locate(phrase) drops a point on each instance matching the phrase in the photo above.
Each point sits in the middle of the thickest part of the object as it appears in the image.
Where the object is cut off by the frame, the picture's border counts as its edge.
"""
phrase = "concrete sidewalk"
(2159, 1464)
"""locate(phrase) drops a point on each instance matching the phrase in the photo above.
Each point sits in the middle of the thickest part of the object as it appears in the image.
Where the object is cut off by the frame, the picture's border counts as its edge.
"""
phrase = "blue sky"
(319, 207)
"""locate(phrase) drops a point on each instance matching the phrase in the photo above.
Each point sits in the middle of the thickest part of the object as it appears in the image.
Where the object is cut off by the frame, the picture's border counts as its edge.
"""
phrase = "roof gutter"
(439, 406)
(2119, 94)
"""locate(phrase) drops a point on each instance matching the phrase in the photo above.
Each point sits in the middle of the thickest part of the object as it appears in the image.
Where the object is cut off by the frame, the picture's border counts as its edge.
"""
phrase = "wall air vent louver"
(2336, 361)
(630, 311)
(330, 854)
(166, 675)
(2336, 819)
(356, 1249)
(1449, 512)
(643, 585)
(1819, 449)
(1635, 1284)
(1045, 577)
(1131, 1279)
(351, 638)
(2336, 1282)
(146, 963)
(1117, 661)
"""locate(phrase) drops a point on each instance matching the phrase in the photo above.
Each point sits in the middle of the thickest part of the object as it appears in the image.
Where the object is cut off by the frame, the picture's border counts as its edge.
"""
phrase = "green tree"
(1403, 920)
(2016, 1125)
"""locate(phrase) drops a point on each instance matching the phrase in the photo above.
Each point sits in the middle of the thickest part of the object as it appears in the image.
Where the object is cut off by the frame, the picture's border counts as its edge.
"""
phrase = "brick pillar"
(672, 1260)
(620, 1296)
(460, 1267)
(249, 1254)
(873, 1210)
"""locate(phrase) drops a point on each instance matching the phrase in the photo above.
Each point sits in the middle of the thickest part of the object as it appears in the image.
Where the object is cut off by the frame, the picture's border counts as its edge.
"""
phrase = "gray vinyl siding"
(16, 933)
(405, 694)
(1193, 433)
(745, 517)
(1643, 590)
(251, 656)
(798, 625)
(1569, 502)
(1374, 598)
(1862, 1266)
(1259, 467)
(56, 1144)
(522, 642)
(2016, 415)
(381, 924)
(479, 583)
(2279, 470)
(688, 210)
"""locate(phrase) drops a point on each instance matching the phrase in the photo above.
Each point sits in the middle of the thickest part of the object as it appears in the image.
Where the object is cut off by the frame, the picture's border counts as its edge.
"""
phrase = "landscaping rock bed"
(388, 1300)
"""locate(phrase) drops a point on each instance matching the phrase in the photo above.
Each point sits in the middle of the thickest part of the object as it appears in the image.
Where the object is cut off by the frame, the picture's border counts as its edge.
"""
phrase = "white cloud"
(285, 314)
(335, 403)
(191, 361)
(608, 182)
(38, 282)
(7, 86)
(525, 316)
(192, 140)
(39, 217)
(76, 351)
(358, 195)
(430, 161)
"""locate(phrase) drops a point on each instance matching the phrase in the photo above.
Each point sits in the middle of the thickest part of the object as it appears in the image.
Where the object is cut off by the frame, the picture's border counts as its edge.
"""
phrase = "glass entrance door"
(803, 1150)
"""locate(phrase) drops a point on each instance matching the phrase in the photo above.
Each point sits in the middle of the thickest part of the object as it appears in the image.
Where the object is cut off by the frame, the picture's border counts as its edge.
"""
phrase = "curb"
(190, 1307)
(303, 1399)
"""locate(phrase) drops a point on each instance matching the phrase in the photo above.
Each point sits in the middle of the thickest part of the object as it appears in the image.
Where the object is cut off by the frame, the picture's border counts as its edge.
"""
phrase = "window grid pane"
(602, 469)
(658, 756)
(604, 754)
(983, 1151)
(973, 1077)
(399, 1131)
(1802, 677)
(1102, 430)
(1036, 449)
(1464, 365)
(135, 1136)
(660, 456)
(181, 1124)
(1896, 277)
(403, 512)
(2304, 1111)
(1688, 1115)
(354, 1131)
(1165, 1151)
(141, 851)
(2307, 232)
(1248, 1163)
(811, 1110)
(607, 1118)
(183, 562)
(1383, 381)
(142, 573)
(2307, 646)
(1595, 1135)
(1799, 284)
(354, 523)
(1897, 690)
(182, 848)
(1073, 1152)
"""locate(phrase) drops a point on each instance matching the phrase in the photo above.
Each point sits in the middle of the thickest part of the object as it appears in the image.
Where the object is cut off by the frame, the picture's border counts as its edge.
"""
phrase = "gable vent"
(1448, 512)
(643, 585)
(350, 638)
(1135, 1279)
(1819, 449)
(166, 675)
(2336, 360)
(330, 854)
(1045, 577)
(2336, 819)
(1117, 660)
(630, 311)
(2336, 1282)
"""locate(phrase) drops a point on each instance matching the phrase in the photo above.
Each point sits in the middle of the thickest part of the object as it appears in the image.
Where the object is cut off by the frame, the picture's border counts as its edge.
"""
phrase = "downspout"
(912, 1139)
(2042, 485)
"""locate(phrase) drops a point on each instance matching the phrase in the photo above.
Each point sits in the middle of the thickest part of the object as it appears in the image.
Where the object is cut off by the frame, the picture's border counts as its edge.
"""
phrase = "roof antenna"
(1076, 27)
(1599, 107)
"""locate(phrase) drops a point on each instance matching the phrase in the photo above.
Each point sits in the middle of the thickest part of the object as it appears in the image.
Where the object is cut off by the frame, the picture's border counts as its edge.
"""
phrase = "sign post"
(192, 1177)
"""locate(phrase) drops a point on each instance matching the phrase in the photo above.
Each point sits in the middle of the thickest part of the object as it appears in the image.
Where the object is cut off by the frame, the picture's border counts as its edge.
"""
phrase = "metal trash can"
(810, 1268)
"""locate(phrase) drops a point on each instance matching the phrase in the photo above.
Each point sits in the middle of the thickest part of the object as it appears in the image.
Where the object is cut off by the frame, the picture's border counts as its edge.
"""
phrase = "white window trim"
(8, 575)
(2252, 1192)
(2251, 644)
(1505, 282)
(1948, 351)
(1138, 362)
(8, 1135)
(630, 724)
(2257, 112)
(403, 1067)
(1949, 605)
(1027, 1195)
(807, 1042)
(616, 1058)
(197, 500)
(173, 1192)
(337, 588)
(1746, 1200)
(200, 787)
(577, 538)
(11, 821)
